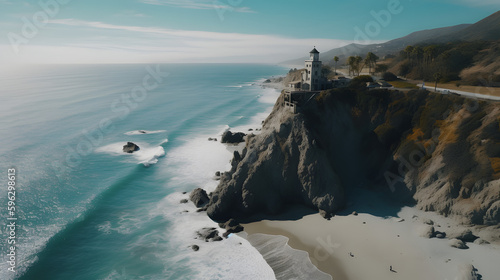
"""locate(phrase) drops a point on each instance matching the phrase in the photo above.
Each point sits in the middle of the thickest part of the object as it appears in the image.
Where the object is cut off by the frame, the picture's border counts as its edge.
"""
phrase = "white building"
(312, 77)
(311, 82)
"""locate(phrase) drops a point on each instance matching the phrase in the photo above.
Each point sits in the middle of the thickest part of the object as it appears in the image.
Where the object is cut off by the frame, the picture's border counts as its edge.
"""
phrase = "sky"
(214, 31)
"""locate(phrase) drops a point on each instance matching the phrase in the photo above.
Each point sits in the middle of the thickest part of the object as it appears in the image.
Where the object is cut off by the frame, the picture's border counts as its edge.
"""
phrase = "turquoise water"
(88, 211)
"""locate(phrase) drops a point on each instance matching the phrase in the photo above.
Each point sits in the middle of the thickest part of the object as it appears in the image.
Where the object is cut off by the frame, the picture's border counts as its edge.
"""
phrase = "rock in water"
(209, 234)
(233, 138)
(195, 248)
(199, 197)
(130, 148)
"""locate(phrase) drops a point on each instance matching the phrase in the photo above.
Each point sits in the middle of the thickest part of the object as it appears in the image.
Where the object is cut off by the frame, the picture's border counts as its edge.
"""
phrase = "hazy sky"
(150, 31)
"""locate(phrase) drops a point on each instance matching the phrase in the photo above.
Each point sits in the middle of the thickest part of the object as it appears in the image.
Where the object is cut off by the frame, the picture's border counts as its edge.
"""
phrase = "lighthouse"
(312, 76)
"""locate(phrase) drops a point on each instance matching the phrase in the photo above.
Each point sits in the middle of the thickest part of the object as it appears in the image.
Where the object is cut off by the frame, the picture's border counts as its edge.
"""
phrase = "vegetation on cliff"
(441, 152)
(475, 63)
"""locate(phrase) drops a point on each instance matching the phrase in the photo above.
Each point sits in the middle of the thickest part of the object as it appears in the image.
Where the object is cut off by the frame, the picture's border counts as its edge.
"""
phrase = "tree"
(381, 68)
(336, 59)
(371, 60)
(408, 51)
(437, 77)
(351, 61)
(388, 76)
(360, 81)
(358, 66)
(326, 71)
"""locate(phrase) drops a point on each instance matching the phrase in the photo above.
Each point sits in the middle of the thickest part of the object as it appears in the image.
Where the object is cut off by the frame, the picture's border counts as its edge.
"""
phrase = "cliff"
(440, 152)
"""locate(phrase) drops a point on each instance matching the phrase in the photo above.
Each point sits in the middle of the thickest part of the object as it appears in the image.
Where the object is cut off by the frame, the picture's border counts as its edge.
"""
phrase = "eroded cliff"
(441, 152)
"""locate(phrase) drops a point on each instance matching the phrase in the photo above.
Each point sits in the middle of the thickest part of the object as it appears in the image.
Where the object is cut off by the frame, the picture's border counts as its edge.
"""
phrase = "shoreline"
(386, 241)
(385, 248)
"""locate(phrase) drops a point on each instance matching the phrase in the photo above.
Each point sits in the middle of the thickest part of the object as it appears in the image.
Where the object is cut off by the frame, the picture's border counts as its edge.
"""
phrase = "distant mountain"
(486, 29)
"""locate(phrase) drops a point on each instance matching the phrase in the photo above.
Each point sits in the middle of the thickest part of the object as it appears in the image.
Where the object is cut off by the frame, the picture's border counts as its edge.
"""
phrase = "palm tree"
(357, 63)
(437, 77)
(408, 50)
(371, 60)
(351, 61)
(336, 59)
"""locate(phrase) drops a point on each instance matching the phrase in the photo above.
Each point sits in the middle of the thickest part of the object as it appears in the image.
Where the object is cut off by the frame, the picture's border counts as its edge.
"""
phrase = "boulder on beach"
(130, 148)
(231, 226)
(427, 231)
(199, 197)
(456, 243)
(233, 138)
(440, 235)
(465, 235)
(184, 201)
(481, 241)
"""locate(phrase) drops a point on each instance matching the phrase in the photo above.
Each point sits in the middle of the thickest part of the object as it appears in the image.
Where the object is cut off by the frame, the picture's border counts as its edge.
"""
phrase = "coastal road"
(464, 93)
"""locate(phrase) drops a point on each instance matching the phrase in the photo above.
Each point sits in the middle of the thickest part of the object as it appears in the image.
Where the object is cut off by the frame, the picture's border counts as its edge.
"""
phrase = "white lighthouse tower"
(312, 76)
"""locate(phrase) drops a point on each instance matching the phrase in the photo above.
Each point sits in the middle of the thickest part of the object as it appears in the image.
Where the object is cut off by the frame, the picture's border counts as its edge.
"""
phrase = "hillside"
(473, 63)
(487, 29)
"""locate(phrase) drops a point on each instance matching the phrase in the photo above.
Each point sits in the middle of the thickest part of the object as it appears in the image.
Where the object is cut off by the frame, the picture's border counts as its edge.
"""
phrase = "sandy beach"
(366, 246)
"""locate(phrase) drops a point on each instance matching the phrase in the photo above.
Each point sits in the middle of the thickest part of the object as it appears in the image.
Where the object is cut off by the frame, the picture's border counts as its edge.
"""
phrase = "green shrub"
(388, 76)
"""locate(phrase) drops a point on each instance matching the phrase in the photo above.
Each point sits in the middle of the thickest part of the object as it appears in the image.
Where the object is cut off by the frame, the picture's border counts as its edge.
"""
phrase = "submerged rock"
(130, 148)
(195, 248)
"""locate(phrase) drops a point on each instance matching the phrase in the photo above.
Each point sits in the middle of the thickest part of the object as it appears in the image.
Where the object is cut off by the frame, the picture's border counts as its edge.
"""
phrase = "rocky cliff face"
(282, 165)
(441, 152)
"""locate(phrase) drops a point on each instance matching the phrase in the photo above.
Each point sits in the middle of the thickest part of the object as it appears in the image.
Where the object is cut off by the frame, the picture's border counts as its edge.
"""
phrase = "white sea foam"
(147, 154)
(231, 258)
(269, 95)
(141, 132)
(196, 162)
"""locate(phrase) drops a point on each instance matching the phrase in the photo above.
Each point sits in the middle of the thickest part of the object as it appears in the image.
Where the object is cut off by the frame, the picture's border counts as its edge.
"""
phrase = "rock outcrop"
(130, 148)
(209, 234)
(441, 152)
(280, 166)
(199, 197)
(233, 138)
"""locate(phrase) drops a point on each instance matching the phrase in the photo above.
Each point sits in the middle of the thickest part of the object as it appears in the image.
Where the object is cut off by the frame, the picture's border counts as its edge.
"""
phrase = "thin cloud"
(199, 5)
(100, 42)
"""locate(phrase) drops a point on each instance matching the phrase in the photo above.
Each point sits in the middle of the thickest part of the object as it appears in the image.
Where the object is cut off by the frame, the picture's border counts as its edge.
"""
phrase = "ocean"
(86, 210)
